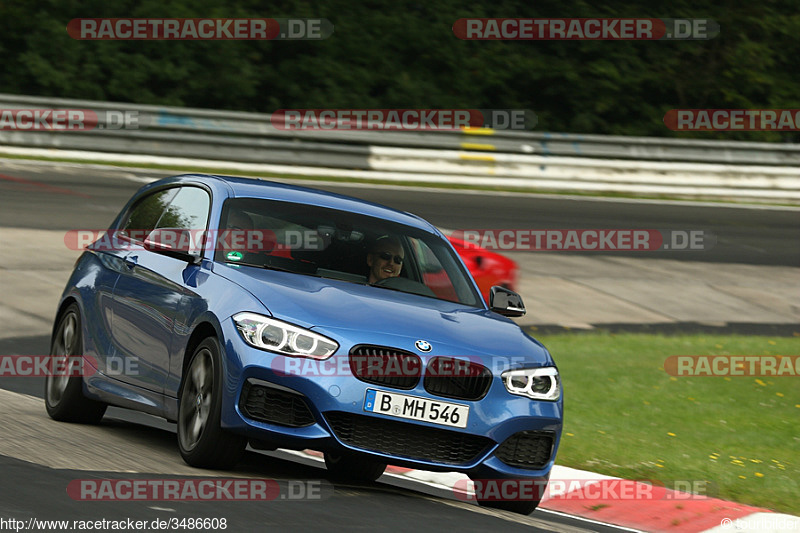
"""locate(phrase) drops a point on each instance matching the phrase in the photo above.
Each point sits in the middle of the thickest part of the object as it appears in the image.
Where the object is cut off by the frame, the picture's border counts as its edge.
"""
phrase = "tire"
(202, 442)
(352, 469)
(63, 395)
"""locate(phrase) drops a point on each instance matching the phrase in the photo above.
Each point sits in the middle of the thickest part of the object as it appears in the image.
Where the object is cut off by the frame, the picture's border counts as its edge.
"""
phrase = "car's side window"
(434, 274)
(183, 221)
(187, 210)
(178, 208)
(145, 214)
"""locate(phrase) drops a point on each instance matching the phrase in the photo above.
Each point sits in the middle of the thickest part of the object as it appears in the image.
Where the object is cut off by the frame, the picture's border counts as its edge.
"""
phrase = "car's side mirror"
(173, 242)
(505, 302)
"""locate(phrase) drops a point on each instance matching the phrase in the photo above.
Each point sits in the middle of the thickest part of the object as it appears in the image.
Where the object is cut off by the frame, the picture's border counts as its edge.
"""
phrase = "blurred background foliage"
(403, 54)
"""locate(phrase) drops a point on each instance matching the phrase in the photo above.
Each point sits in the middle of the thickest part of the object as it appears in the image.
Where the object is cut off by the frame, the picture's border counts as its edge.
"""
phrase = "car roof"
(239, 187)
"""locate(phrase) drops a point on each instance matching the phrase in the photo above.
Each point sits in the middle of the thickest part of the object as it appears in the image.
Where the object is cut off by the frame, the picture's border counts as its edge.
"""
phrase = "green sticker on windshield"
(234, 256)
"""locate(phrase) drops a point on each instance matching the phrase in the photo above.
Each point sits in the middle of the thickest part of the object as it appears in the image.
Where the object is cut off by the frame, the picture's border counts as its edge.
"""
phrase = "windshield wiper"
(281, 269)
(267, 266)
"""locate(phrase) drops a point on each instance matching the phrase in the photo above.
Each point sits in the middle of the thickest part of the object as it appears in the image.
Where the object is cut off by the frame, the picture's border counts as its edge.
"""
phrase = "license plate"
(416, 408)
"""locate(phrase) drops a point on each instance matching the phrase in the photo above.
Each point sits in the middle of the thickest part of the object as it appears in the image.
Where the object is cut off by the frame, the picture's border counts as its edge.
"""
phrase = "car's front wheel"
(202, 441)
(63, 394)
(351, 468)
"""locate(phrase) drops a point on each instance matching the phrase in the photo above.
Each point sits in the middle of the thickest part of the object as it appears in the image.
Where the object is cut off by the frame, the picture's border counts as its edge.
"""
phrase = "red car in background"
(488, 268)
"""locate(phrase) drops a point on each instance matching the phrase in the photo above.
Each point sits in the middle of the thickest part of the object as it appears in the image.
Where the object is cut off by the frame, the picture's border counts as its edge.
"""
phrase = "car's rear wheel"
(202, 441)
(63, 394)
(351, 468)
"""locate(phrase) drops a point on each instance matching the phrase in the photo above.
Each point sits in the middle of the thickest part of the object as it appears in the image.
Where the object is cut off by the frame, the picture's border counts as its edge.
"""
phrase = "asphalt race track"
(39, 457)
(77, 196)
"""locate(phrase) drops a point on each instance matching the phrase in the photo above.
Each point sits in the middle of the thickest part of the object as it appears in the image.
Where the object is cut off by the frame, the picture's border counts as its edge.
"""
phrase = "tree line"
(404, 54)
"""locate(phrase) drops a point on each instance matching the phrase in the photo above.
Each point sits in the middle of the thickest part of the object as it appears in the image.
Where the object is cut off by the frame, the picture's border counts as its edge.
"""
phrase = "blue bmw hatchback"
(251, 311)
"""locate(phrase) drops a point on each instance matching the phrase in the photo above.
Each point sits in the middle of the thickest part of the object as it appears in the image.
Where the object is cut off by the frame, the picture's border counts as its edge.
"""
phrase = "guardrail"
(532, 160)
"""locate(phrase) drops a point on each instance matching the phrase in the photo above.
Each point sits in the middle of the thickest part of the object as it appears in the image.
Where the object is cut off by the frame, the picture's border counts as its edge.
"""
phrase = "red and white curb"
(663, 511)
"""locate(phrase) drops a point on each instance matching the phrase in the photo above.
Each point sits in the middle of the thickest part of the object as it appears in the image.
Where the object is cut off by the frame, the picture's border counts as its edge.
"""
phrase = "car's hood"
(333, 305)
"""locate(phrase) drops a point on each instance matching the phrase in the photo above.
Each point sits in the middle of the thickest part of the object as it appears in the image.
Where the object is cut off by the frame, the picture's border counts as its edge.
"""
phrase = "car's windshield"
(336, 244)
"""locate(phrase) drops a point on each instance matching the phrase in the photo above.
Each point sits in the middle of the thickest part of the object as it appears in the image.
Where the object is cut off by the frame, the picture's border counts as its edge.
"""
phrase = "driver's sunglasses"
(386, 256)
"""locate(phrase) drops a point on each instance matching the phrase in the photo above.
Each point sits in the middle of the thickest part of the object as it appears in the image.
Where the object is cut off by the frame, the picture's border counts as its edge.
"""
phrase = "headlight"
(535, 383)
(283, 338)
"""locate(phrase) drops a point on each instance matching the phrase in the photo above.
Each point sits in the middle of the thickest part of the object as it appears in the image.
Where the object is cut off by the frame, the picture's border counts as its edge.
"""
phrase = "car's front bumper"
(335, 397)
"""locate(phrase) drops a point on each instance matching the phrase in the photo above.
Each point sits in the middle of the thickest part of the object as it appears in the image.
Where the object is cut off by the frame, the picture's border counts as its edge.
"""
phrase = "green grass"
(626, 417)
(356, 179)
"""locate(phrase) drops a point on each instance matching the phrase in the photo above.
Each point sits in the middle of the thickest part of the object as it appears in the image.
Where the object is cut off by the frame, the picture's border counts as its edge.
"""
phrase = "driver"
(385, 259)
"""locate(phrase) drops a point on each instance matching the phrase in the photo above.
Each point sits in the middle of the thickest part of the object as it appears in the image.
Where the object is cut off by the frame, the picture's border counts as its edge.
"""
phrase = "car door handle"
(131, 261)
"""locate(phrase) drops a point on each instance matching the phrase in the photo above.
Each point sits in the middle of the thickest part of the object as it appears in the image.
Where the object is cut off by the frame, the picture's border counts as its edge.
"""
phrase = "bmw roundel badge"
(423, 346)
